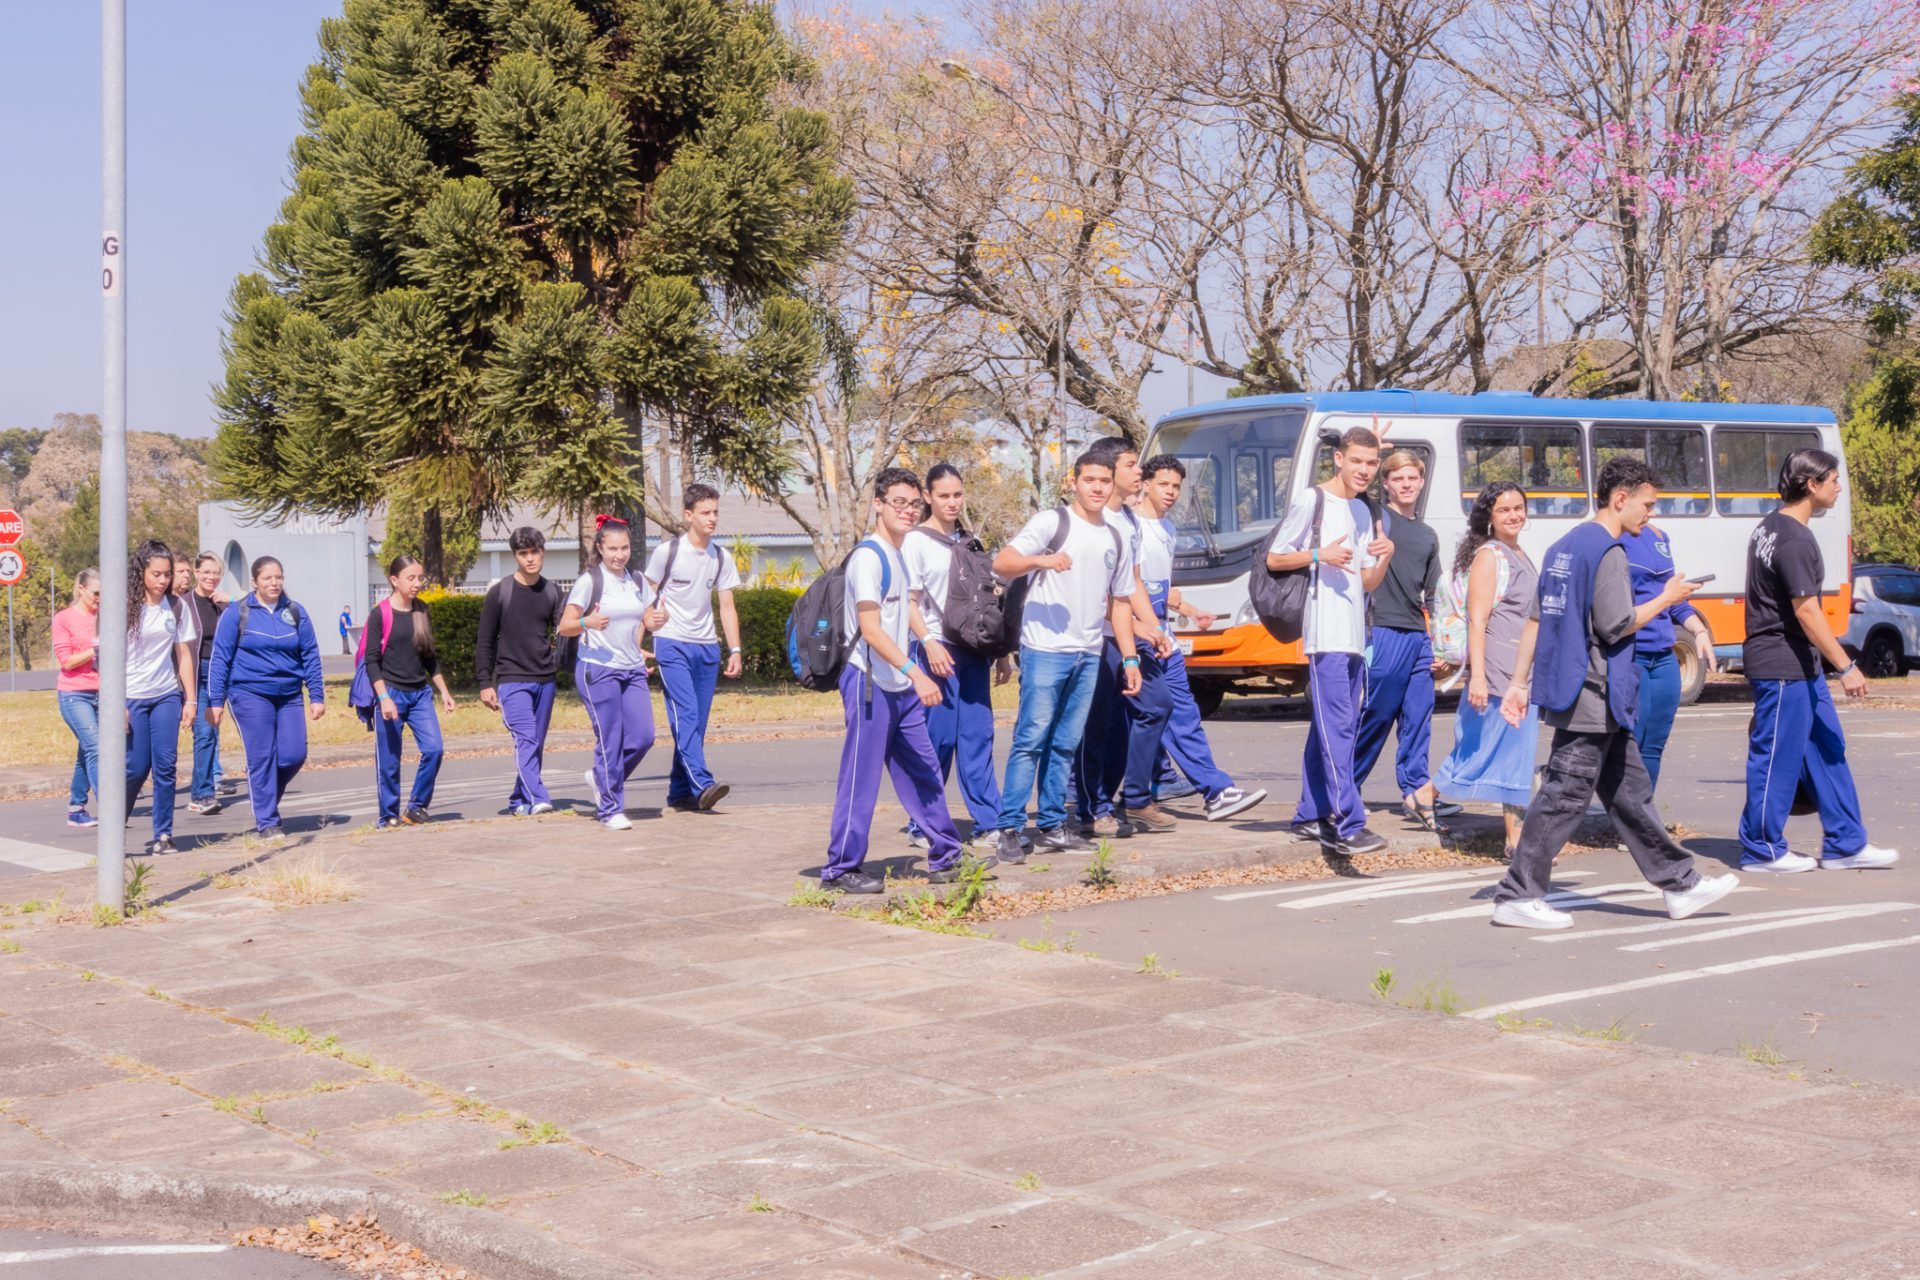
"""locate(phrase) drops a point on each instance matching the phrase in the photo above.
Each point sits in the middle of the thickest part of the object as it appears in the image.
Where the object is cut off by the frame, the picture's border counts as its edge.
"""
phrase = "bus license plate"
(1186, 645)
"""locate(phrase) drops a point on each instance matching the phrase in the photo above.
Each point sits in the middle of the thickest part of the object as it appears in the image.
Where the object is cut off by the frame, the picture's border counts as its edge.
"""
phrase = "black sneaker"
(161, 845)
(685, 804)
(416, 817)
(1061, 839)
(959, 868)
(854, 882)
(1012, 848)
(713, 795)
(1233, 801)
(1361, 841)
(272, 835)
(1318, 831)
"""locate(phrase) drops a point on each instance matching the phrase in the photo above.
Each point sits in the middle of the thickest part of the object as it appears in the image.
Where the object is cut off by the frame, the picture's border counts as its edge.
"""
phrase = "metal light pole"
(111, 659)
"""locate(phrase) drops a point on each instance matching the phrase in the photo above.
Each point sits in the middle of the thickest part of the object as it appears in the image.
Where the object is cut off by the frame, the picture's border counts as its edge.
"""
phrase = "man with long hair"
(1795, 739)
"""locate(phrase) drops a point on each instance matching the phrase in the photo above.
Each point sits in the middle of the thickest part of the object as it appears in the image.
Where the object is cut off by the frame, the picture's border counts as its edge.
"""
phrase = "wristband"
(385, 698)
(1851, 666)
(735, 649)
(908, 667)
(1129, 662)
(1316, 556)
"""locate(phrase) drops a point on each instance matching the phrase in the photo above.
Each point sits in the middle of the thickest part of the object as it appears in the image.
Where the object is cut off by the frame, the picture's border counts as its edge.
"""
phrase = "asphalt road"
(1817, 969)
(47, 1255)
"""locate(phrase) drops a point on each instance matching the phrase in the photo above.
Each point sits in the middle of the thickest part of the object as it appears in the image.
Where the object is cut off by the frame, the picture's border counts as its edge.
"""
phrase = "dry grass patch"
(306, 881)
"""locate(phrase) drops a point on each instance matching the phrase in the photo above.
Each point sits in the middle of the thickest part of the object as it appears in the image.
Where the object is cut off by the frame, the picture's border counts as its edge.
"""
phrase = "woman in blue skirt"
(1493, 760)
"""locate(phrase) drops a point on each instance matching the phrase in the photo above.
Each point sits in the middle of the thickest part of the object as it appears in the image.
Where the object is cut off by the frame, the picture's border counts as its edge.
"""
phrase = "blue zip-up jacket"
(1650, 557)
(275, 657)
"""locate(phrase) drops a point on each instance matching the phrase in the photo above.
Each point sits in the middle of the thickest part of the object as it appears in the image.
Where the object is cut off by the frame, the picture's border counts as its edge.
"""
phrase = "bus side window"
(1747, 466)
(1678, 455)
(1545, 459)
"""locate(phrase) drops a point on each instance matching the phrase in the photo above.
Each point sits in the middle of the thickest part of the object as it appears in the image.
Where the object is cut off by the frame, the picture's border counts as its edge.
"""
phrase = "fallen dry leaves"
(355, 1244)
(1010, 906)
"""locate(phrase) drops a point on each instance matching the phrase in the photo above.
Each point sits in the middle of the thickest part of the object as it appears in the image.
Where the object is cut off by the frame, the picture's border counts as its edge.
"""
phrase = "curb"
(140, 1199)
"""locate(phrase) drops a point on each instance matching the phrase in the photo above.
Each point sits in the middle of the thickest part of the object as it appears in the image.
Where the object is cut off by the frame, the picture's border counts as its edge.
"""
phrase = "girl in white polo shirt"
(611, 671)
(161, 647)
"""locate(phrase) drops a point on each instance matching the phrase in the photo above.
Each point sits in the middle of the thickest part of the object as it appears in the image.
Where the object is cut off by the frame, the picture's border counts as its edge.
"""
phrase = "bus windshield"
(1239, 468)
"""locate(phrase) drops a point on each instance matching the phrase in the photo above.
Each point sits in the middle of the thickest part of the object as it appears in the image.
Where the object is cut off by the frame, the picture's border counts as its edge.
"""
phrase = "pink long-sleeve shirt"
(73, 632)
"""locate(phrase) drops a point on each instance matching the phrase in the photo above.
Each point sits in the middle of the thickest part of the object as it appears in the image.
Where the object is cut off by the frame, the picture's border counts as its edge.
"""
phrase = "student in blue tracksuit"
(1400, 668)
(1347, 561)
(1795, 738)
(404, 671)
(1650, 557)
(611, 670)
(1152, 735)
(686, 573)
(960, 725)
(885, 694)
(513, 658)
(265, 655)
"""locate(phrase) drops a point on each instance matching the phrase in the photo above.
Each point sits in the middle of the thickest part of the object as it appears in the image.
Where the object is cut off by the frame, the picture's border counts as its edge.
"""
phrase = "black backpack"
(1280, 597)
(974, 615)
(569, 652)
(1015, 603)
(240, 629)
(817, 639)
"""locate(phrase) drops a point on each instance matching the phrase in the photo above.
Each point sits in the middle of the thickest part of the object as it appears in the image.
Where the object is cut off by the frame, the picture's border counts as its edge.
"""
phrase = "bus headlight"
(1245, 616)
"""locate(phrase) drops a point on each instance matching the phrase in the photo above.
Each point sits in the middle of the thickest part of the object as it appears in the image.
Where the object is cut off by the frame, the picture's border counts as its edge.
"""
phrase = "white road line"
(110, 1251)
(42, 857)
(1689, 975)
(1394, 891)
(1588, 896)
(1842, 913)
(1383, 882)
(1662, 926)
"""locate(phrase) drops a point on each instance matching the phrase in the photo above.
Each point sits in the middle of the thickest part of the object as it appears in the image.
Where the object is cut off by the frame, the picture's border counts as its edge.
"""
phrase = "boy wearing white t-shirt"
(1348, 560)
(687, 572)
(1078, 588)
(885, 695)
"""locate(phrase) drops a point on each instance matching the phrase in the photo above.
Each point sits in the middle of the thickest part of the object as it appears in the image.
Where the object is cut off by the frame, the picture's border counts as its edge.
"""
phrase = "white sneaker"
(593, 788)
(1868, 857)
(1706, 891)
(1530, 913)
(1232, 801)
(618, 822)
(1786, 864)
(542, 807)
(983, 842)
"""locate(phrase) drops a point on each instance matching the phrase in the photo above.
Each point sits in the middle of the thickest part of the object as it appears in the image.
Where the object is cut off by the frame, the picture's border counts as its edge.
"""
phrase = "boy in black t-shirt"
(1795, 737)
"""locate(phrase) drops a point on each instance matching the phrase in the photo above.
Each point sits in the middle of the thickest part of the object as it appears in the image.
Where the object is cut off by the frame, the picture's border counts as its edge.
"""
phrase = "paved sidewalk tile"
(545, 1023)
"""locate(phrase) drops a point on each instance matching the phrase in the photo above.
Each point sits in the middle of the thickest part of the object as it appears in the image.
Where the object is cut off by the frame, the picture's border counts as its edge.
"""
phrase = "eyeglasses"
(902, 504)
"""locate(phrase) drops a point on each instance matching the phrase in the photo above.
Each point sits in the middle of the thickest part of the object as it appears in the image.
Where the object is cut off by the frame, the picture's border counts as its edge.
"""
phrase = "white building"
(336, 562)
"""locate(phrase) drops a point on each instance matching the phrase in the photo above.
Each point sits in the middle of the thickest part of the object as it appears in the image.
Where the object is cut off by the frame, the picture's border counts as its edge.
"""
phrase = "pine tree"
(516, 230)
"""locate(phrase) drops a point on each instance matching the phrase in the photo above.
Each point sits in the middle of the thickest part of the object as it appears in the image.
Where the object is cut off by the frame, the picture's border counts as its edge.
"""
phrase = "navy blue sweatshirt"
(277, 655)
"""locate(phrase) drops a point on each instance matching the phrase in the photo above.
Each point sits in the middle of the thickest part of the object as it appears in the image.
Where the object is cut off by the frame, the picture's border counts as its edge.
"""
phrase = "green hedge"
(763, 631)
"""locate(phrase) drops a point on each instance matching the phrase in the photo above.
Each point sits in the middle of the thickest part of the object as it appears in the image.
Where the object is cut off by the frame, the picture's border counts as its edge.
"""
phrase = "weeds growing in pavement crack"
(1027, 1182)
(1761, 1052)
(759, 1204)
(1150, 963)
(1100, 873)
(470, 1199)
(1615, 1030)
(1382, 984)
(808, 893)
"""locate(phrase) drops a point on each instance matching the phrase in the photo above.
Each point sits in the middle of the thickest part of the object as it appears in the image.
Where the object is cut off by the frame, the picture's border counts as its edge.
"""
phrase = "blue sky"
(212, 111)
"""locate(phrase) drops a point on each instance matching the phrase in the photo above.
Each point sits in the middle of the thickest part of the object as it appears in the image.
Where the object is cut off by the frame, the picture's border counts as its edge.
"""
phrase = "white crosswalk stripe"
(1662, 926)
(1857, 912)
(1392, 891)
(1567, 900)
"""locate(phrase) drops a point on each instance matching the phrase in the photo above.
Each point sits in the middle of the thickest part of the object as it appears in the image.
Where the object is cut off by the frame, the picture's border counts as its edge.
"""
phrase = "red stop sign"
(12, 527)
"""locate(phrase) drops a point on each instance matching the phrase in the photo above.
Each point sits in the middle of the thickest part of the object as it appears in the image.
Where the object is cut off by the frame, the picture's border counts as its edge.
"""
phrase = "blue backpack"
(817, 639)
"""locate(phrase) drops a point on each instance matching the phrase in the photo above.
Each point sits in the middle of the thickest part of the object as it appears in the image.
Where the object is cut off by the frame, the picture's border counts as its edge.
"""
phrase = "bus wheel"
(1693, 671)
(1208, 696)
